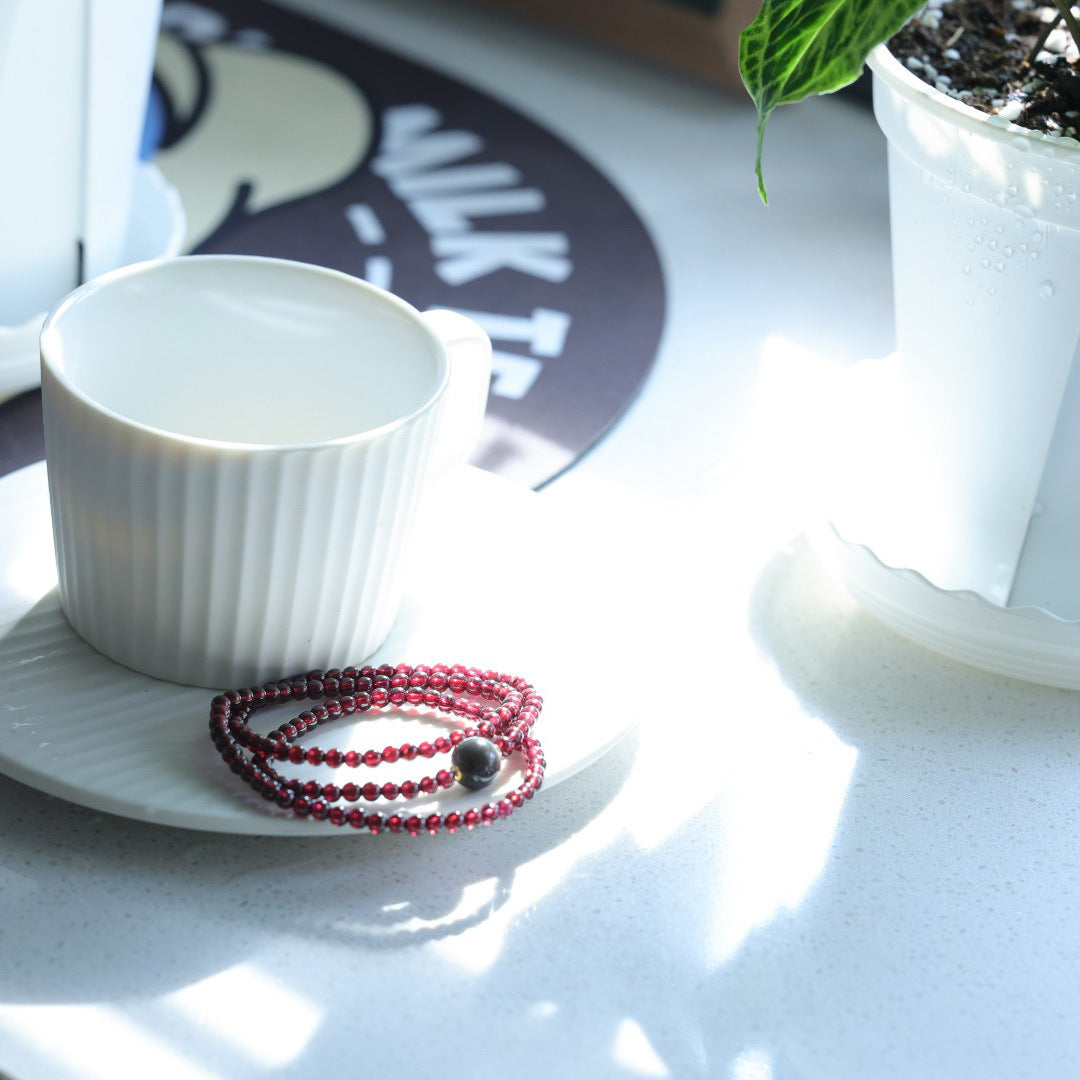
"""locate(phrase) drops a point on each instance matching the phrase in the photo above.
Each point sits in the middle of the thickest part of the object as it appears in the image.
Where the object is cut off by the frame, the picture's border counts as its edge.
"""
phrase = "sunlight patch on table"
(634, 1051)
(783, 802)
(791, 439)
(94, 1041)
(220, 1003)
(476, 949)
(752, 1064)
(543, 1010)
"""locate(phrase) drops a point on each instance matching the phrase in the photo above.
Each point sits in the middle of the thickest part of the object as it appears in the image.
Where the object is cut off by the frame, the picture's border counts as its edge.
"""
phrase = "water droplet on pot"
(999, 266)
(1046, 290)
(992, 245)
(984, 263)
(1008, 252)
(966, 268)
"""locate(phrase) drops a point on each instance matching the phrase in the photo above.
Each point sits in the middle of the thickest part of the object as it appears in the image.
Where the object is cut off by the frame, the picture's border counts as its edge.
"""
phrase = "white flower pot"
(962, 470)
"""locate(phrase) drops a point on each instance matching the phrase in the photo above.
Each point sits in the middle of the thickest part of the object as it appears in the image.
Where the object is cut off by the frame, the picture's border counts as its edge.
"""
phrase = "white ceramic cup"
(236, 449)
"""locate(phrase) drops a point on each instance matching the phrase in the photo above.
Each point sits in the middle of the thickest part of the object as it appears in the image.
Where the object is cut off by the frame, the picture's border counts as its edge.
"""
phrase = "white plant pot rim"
(898, 77)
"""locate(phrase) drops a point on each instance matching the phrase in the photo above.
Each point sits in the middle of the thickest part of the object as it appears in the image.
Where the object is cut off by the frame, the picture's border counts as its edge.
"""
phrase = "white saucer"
(156, 229)
(1021, 642)
(963, 601)
(498, 582)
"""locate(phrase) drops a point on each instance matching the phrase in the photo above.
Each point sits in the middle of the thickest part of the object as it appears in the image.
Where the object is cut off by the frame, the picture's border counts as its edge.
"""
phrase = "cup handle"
(469, 351)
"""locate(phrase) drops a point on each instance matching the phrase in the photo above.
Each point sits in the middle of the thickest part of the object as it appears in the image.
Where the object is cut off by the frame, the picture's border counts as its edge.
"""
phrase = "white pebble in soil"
(1057, 42)
(1011, 111)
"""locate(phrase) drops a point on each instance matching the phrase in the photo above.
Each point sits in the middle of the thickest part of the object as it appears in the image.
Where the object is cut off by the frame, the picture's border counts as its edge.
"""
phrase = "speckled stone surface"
(824, 854)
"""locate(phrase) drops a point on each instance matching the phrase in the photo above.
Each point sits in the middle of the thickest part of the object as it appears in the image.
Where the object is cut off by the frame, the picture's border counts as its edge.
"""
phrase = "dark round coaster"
(287, 137)
(424, 186)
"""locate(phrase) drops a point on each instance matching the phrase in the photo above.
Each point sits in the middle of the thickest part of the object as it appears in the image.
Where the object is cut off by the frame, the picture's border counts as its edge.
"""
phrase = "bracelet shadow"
(88, 879)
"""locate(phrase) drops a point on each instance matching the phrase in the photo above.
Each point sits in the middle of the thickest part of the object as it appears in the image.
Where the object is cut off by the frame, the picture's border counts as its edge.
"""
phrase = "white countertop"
(824, 852)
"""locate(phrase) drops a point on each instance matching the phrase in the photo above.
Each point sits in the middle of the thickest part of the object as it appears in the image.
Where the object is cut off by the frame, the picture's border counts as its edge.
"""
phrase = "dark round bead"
(479, 761)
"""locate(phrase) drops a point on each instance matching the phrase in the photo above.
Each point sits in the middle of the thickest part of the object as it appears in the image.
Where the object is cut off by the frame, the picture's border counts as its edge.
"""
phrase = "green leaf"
(795, 48)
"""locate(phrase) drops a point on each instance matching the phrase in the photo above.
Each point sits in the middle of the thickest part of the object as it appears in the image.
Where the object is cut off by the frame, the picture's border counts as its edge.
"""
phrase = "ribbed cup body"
(236, 449)
(224, 566)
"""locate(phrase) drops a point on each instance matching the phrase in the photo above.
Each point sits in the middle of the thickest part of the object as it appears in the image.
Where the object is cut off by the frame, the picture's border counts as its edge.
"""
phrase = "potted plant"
(960, 522)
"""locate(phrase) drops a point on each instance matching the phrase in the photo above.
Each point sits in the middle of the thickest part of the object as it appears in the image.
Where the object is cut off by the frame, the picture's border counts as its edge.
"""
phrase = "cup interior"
(244, 350)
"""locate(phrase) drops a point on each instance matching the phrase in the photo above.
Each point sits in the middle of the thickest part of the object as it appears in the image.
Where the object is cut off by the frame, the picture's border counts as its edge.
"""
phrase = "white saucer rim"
(1026, 611)
(1023, 642)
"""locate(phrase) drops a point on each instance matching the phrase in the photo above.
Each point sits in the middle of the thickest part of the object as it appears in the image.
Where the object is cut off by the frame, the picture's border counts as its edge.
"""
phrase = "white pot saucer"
(156, 229)
(498, 582)
(1023, 642)
(976, 598)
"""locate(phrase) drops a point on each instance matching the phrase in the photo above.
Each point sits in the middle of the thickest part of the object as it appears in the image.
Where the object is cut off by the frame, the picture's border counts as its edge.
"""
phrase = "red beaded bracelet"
(497, 731)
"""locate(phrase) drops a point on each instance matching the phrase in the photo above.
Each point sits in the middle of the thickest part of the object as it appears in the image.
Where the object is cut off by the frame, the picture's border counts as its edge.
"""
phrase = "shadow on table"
(22, 439)
(103, 904)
